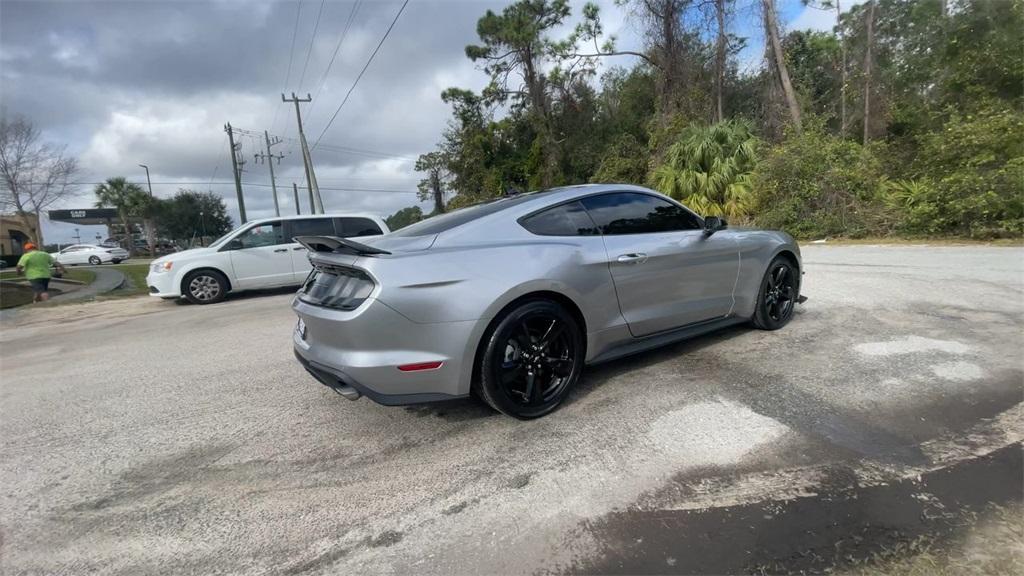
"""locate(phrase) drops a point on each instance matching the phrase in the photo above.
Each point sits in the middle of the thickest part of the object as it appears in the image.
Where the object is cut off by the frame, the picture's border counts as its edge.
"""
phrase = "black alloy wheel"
(533, 357)
(780, 290)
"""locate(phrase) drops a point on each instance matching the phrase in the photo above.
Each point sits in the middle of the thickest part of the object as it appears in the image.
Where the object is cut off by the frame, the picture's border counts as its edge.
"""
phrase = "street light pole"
(148, 182)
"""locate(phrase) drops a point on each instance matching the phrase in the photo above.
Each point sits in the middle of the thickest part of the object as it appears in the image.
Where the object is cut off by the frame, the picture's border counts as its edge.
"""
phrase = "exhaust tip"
(347, 391)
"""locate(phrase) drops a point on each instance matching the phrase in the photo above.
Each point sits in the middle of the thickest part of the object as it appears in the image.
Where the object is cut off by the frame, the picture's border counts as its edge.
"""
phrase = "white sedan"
(89, 254)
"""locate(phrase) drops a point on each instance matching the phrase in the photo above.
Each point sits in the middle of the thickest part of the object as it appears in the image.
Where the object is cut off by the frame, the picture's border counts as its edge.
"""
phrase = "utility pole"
(295, 189)
(307, 160)
(269, 158)
(148, 182)
(236, 166)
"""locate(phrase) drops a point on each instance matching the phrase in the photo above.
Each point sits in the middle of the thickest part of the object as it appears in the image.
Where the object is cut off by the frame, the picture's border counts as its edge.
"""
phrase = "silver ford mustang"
(509, 299)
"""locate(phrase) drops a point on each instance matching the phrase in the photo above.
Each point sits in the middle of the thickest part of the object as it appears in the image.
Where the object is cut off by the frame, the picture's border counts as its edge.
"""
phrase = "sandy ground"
(145, 436)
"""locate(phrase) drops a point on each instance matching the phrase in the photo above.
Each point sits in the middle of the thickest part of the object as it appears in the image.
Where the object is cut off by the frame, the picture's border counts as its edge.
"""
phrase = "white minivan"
(258, 254)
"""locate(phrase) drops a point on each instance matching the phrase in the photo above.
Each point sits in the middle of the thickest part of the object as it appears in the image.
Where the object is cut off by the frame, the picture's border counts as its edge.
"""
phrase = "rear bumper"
(362, 350)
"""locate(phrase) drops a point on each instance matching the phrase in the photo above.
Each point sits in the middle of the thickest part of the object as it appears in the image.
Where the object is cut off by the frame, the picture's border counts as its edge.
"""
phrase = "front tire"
(204, 287)
(777, 298)
(531, 359)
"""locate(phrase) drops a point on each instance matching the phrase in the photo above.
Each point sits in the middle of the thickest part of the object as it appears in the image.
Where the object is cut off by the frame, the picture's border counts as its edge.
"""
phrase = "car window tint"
(312, 227)
(565, 220)
(633, 213)
(348, 227)
(268, 234)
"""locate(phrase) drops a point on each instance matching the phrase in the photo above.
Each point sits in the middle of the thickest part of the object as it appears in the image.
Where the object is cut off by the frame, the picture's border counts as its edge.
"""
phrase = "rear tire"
(777, 298)
(531, 359)
(116, 261)
(204, 287)
(95, 260)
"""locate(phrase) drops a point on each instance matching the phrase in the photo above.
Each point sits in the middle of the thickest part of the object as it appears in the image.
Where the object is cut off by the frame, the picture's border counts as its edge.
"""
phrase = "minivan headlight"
(158, 267)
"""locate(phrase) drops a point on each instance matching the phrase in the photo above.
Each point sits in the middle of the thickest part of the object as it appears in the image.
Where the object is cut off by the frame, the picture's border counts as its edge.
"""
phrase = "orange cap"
(30, 246)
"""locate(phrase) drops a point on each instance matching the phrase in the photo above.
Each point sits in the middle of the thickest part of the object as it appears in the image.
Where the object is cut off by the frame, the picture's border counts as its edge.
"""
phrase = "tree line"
(905, 118)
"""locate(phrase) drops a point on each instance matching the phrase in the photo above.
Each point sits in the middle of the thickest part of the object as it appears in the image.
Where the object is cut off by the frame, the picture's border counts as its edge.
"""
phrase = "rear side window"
(349, 227)
(565, 220)
(312, 227)
(633, 213)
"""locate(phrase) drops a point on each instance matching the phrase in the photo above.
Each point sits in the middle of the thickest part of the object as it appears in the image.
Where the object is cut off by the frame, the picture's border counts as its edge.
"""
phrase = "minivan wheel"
(532, 358)
(95, 260)
(204, 287)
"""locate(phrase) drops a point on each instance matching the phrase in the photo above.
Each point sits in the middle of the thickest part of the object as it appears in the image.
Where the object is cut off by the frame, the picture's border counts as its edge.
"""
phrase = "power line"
(291, 57)
(361, 72)
(334, 147)
(264, 185)
(337, 48)
(312, 40)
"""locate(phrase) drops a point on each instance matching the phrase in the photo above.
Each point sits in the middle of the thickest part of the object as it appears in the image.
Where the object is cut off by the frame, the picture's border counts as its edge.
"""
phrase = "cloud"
(810, 18)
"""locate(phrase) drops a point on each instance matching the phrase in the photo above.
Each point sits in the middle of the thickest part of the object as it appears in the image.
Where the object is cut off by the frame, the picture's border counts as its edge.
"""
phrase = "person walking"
(35, 264)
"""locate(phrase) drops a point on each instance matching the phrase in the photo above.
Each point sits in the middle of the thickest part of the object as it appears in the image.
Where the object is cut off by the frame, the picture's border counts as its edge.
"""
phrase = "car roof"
(374, 217)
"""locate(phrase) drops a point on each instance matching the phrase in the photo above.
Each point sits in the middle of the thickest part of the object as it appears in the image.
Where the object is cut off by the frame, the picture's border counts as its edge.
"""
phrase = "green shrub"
(968, 178)
(814, 185)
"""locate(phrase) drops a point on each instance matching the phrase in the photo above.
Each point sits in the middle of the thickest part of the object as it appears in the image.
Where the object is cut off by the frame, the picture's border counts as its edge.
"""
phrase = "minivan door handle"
(634, 257)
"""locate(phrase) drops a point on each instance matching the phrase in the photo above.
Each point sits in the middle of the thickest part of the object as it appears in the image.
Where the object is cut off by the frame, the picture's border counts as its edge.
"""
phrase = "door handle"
(635, 257)
(281, 250)
(299, 248)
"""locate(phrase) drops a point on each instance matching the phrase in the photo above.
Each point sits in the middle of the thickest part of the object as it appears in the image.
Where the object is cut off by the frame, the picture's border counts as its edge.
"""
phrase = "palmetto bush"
(709, 169)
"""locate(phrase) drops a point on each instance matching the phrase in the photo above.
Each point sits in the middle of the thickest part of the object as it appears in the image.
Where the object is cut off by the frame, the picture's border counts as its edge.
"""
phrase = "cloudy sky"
(128, 82)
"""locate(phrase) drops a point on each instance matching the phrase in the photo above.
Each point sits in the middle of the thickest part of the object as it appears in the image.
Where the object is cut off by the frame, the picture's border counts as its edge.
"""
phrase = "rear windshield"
(438, 224)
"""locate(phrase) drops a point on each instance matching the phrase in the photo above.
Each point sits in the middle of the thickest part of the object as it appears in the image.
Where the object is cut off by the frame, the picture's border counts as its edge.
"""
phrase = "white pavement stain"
(552, 502)
(911, 345)
(958, 371)
(718, 433)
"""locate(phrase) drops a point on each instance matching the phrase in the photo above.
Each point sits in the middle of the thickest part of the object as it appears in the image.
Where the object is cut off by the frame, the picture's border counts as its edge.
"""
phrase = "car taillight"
(336, 287)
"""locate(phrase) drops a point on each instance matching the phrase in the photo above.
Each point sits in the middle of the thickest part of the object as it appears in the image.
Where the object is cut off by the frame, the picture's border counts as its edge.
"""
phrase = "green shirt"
(36, 264)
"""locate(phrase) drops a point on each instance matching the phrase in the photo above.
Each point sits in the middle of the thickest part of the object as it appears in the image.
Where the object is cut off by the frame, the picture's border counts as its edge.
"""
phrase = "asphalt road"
(151, 437)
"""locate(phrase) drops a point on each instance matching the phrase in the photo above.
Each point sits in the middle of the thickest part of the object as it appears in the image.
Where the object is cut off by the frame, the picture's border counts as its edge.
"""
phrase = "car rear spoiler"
(336, 245)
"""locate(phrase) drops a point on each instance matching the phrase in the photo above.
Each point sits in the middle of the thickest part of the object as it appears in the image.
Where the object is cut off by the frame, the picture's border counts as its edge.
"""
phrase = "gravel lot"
(151, 437)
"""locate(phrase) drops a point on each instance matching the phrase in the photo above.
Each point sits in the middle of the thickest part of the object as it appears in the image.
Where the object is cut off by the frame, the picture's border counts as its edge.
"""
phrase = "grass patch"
(12, 294)
(80, 274)
(136, 285)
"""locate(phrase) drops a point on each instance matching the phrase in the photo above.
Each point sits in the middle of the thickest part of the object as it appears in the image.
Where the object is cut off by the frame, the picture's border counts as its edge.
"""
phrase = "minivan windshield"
(224, 238)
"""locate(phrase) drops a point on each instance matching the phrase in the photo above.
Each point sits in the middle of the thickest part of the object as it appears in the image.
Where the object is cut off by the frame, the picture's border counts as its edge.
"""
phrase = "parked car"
(258, 254)
(89, 254)
(511, 298)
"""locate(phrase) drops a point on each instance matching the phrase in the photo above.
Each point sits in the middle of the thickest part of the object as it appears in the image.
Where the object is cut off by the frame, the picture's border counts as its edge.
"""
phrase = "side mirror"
(713, 224)
(234, 244)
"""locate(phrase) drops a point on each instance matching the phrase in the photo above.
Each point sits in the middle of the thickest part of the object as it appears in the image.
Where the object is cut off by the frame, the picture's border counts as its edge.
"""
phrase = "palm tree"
(127, 198)
(709, 168)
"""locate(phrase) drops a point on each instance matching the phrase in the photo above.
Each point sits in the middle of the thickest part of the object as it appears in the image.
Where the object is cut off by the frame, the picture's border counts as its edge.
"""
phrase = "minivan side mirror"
(713, 224)
(233, 244)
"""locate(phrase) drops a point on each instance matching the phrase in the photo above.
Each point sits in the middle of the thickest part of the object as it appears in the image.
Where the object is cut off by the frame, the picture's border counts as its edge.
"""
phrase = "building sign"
(85, 216)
